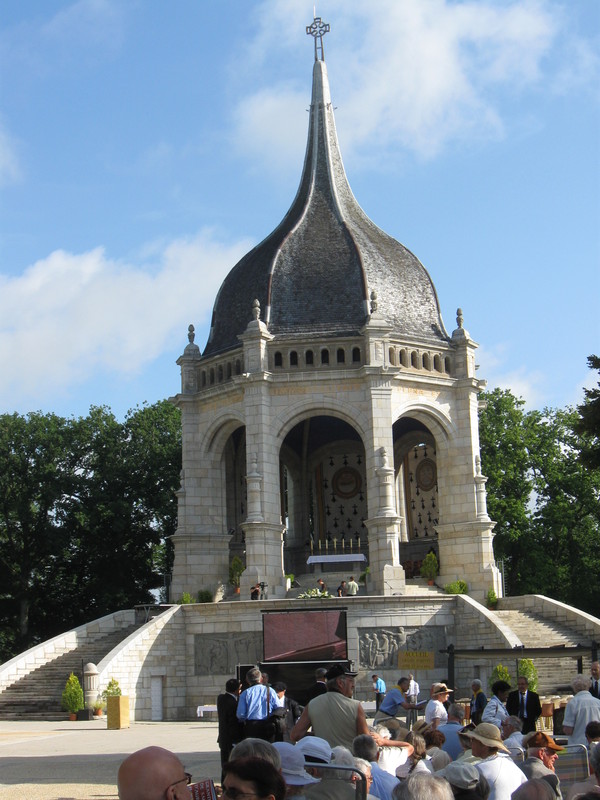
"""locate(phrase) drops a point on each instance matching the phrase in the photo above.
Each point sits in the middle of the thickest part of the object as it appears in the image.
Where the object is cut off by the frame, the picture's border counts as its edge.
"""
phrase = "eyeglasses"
(236, 794)
(187, 779)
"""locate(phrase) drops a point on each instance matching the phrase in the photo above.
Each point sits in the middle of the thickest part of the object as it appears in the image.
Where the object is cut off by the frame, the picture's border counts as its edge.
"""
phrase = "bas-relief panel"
(219, 654)
(379, 647)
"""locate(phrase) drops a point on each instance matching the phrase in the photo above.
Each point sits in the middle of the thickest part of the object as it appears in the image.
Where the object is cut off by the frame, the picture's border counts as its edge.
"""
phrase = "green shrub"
(456, 587)
(112, 689)
(235, 571)
(500, 673)
(72, 696)
(204, 596)
(527, 670)
(364, 575)
(491, 598)
(313, 593)
(185, 599)
(429, 567)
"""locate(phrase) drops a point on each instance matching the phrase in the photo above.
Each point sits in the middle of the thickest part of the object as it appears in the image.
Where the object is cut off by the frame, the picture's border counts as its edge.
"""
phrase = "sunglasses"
(187, 779)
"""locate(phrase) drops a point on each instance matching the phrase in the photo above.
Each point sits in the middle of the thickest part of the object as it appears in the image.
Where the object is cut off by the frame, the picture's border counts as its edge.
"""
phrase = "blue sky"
(145, 146)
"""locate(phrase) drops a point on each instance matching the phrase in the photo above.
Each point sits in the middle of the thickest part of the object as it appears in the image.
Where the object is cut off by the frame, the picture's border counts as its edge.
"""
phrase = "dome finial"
(459, 317)
(317, 29)
(191, 334)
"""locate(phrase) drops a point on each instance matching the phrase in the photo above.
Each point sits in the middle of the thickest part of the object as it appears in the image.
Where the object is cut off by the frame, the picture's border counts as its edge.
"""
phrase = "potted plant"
(235, 572)
(429, 568)
(72, 696)
(112, 690)
(98, 708)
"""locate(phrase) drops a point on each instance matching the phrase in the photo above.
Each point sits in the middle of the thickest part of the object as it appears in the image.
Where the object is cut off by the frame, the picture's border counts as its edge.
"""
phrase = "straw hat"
(440, 688)
(489, 735)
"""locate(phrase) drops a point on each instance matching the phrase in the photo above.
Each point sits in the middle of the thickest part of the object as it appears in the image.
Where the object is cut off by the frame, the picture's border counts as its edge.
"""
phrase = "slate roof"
(315, 272)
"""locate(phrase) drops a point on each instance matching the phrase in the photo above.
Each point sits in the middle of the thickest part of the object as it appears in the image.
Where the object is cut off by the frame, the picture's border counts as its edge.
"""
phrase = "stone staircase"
(554, 674)
(37, 696)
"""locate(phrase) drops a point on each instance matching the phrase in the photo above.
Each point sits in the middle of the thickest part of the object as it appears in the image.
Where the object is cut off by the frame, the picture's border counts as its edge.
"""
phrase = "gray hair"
(256, 748)
(595, 759)
(382, 731)
(456, 711)
(476, 682)
(343, 757)
(422, 786)
(363, 765)
(581, 683)
(320, 673)
(364, 746)
(253, 676)
(516, 723)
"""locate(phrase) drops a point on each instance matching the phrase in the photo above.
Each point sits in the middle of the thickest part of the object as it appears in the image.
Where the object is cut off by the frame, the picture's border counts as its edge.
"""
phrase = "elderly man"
(525, 704)
(510, 729)
(153, 774)
(502, 774)
(254, 709)
(580, 710)
(536, 789)
(478, 701)
(423, 786)
(335, 716)
(542, 752)
(450, 729)
(395, 701)
(383, 783)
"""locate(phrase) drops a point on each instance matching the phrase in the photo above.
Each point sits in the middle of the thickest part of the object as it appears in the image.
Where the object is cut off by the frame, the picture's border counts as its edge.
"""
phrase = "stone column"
(90, 684)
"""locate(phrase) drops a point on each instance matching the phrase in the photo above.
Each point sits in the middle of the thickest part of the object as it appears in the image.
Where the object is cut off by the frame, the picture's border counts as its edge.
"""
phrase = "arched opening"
(236, 490)
(229, 370)
(417, 497)
(437, 363)
(323, 491)
(212, 376)
(324, 356)
(220, 373)
(414, 359)
(426, 361)
(392, 356)
(309, 358)
(278, 359)
(448, 365)
(356, 355)
(293, 358)
(341, 355)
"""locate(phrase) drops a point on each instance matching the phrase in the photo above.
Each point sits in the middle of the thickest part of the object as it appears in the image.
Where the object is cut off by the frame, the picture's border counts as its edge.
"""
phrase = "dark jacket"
(533, 708)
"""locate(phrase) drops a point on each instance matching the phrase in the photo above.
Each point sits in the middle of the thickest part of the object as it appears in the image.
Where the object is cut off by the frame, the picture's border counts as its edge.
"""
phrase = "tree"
(588, 423)
(86, 506)
(544, 499)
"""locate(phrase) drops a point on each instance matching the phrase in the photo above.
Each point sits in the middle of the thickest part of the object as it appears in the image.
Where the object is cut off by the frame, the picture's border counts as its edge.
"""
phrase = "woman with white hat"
(502, 774)
(435, 711)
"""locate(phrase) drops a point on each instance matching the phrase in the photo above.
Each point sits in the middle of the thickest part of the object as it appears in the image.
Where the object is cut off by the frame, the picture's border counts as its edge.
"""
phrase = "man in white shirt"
(510, 729)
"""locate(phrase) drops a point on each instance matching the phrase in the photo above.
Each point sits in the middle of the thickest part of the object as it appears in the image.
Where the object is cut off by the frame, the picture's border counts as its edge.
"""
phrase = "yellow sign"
(416, 659)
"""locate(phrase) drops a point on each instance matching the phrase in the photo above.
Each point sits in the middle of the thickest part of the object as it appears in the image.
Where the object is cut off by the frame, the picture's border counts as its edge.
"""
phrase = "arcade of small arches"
(341, 356)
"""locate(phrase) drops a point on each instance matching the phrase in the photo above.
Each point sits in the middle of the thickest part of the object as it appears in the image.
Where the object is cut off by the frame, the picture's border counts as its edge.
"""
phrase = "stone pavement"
(79, 760)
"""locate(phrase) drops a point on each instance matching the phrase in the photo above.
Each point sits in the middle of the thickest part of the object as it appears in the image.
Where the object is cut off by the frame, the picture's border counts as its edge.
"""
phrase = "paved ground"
(79, 760)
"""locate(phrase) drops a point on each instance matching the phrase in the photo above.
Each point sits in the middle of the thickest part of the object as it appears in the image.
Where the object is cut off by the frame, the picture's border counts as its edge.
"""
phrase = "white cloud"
(417, 75)
(496, 369)
(71, 316)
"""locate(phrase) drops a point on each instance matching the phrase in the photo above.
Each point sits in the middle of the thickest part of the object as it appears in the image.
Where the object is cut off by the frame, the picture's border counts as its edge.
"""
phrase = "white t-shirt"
(503, 776)
(583, 708)
(435, 710)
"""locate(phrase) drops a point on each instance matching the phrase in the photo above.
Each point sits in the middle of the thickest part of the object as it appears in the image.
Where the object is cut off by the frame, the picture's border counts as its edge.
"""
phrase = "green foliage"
(235, 571)
(588, 423)
(205, 596)
(491, 598)
(456, 587)
(291, 577)
(527, 670)
(544, 498)
(185, 599)
(87, 507)
(500, 673)
(112, 690)
(429, 567)
(313, 593)
(364, 575)
(72, 696)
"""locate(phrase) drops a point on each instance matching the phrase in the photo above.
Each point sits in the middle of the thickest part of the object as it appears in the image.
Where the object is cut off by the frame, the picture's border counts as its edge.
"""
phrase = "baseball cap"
(460, 774)
(292, 765)
(540, 739)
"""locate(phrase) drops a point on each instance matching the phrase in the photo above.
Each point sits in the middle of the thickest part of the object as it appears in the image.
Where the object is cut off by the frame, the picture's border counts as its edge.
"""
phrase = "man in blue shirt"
(255, 706)
(450, 729)
(379, 689)
(394, 701)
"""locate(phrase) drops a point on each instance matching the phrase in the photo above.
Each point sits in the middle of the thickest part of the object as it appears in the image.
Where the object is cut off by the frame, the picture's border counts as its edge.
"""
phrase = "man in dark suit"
(231, 730)
(525, 704)
(595, 679)
(320, 687)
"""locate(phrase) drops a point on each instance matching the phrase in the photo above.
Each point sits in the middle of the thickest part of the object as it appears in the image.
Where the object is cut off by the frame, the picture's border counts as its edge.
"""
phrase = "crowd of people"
(272, 748)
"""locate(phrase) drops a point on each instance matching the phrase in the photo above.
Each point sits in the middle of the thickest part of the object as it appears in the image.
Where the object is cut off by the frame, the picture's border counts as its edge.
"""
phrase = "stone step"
(38, 695)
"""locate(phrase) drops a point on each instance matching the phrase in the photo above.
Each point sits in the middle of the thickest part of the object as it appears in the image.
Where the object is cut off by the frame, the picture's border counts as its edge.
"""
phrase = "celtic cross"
(317, 29)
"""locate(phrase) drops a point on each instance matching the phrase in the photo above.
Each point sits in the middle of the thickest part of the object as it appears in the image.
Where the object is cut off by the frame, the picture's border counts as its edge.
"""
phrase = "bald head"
(152, 774)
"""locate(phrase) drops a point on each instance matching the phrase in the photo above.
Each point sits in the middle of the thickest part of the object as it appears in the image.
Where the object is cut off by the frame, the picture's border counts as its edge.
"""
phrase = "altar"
(329, 563)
